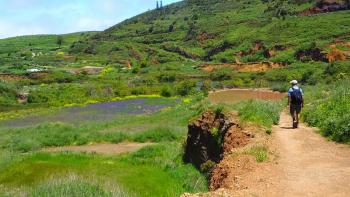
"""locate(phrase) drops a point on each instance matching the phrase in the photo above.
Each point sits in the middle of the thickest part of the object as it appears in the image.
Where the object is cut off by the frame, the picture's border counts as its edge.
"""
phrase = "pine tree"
(157, 5)
(161, 4)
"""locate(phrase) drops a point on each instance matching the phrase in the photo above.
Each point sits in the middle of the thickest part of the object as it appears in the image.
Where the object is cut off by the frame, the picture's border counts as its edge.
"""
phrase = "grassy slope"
(240, 23)
(164, 45)
(147, 37)
(40, 42)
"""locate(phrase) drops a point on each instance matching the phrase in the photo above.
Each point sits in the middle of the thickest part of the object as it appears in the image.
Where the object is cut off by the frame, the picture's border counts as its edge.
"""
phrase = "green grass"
(153, 171)
(259, 152)
(41, 43)
(75, 186)
(328, 108)
(166, 125)
(263, 113)
(157, 170)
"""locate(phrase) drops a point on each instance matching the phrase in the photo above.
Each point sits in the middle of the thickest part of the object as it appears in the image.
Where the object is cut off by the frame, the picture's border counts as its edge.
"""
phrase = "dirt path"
(107, 149)
(302, 163)
(307, 164)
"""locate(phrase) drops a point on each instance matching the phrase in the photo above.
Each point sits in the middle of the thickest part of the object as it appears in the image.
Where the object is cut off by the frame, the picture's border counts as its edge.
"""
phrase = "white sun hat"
(294, 82)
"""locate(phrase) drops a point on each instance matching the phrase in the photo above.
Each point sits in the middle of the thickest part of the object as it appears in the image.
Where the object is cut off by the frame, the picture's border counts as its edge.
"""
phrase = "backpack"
(297, 97)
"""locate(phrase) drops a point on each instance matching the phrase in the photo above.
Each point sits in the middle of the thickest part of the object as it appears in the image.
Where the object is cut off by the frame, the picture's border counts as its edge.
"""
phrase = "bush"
(185, 88)
(331, 111)
(205, 88)
(78, 47)
(259, 152)
(35, 97)
(264, 113)
(7, 94)
(167, 77)
(136, 70)
(166, 91)
(221, 75)
(280, 87)
(139, 91)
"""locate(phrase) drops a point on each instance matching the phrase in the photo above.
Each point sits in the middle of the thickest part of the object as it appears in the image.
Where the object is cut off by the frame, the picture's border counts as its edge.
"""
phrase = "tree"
(171, 28)
(279, 8)
(59, 41)
(193, 31)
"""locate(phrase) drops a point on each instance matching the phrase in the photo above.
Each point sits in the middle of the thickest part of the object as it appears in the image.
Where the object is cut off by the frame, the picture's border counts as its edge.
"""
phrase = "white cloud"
(8, 30)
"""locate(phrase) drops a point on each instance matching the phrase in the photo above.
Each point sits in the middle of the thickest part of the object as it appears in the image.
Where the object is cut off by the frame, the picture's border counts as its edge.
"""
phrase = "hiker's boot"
(295, 124)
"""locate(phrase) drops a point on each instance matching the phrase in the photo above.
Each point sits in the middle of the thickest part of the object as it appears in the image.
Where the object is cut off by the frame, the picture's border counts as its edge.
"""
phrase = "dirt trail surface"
(302, 163)
(108, 149)
(307, 164)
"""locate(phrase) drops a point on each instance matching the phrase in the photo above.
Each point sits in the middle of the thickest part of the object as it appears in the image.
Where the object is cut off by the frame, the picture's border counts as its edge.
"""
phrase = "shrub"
(35, 97)
(264, 113)
(205, 88)
(136, 70)
(7, 94)
(259, 152)
(221, 75)
(167, 77)
(78, 47)
(166, 91)
(331, 111)
(139, 91)
(185, 88)
(280, 87)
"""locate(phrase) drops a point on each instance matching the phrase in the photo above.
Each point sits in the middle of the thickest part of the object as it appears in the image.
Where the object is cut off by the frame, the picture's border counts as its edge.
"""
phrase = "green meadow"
(154, 170)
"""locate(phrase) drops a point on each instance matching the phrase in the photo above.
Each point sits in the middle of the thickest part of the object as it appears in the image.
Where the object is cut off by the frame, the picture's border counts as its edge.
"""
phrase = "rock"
(204, 139)
(312, 54)
(211, 136)
(326, 6)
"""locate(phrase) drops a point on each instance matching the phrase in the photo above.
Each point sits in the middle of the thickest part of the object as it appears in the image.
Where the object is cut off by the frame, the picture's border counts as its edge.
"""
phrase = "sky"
(28, 17)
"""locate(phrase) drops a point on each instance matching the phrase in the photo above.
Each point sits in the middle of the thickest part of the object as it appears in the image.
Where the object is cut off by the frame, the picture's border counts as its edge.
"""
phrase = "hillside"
(171, 51)
(219, 31)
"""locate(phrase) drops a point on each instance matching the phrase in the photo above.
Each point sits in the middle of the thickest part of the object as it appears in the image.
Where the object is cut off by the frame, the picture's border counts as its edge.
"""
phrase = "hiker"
(295, 102)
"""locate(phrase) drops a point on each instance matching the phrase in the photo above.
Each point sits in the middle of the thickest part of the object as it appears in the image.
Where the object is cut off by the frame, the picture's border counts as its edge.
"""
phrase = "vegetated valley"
(117, 112)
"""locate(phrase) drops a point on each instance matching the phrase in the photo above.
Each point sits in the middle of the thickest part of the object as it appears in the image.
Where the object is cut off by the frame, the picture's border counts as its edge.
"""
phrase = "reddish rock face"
(211, 136)
(326, 6)
(314, 54)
